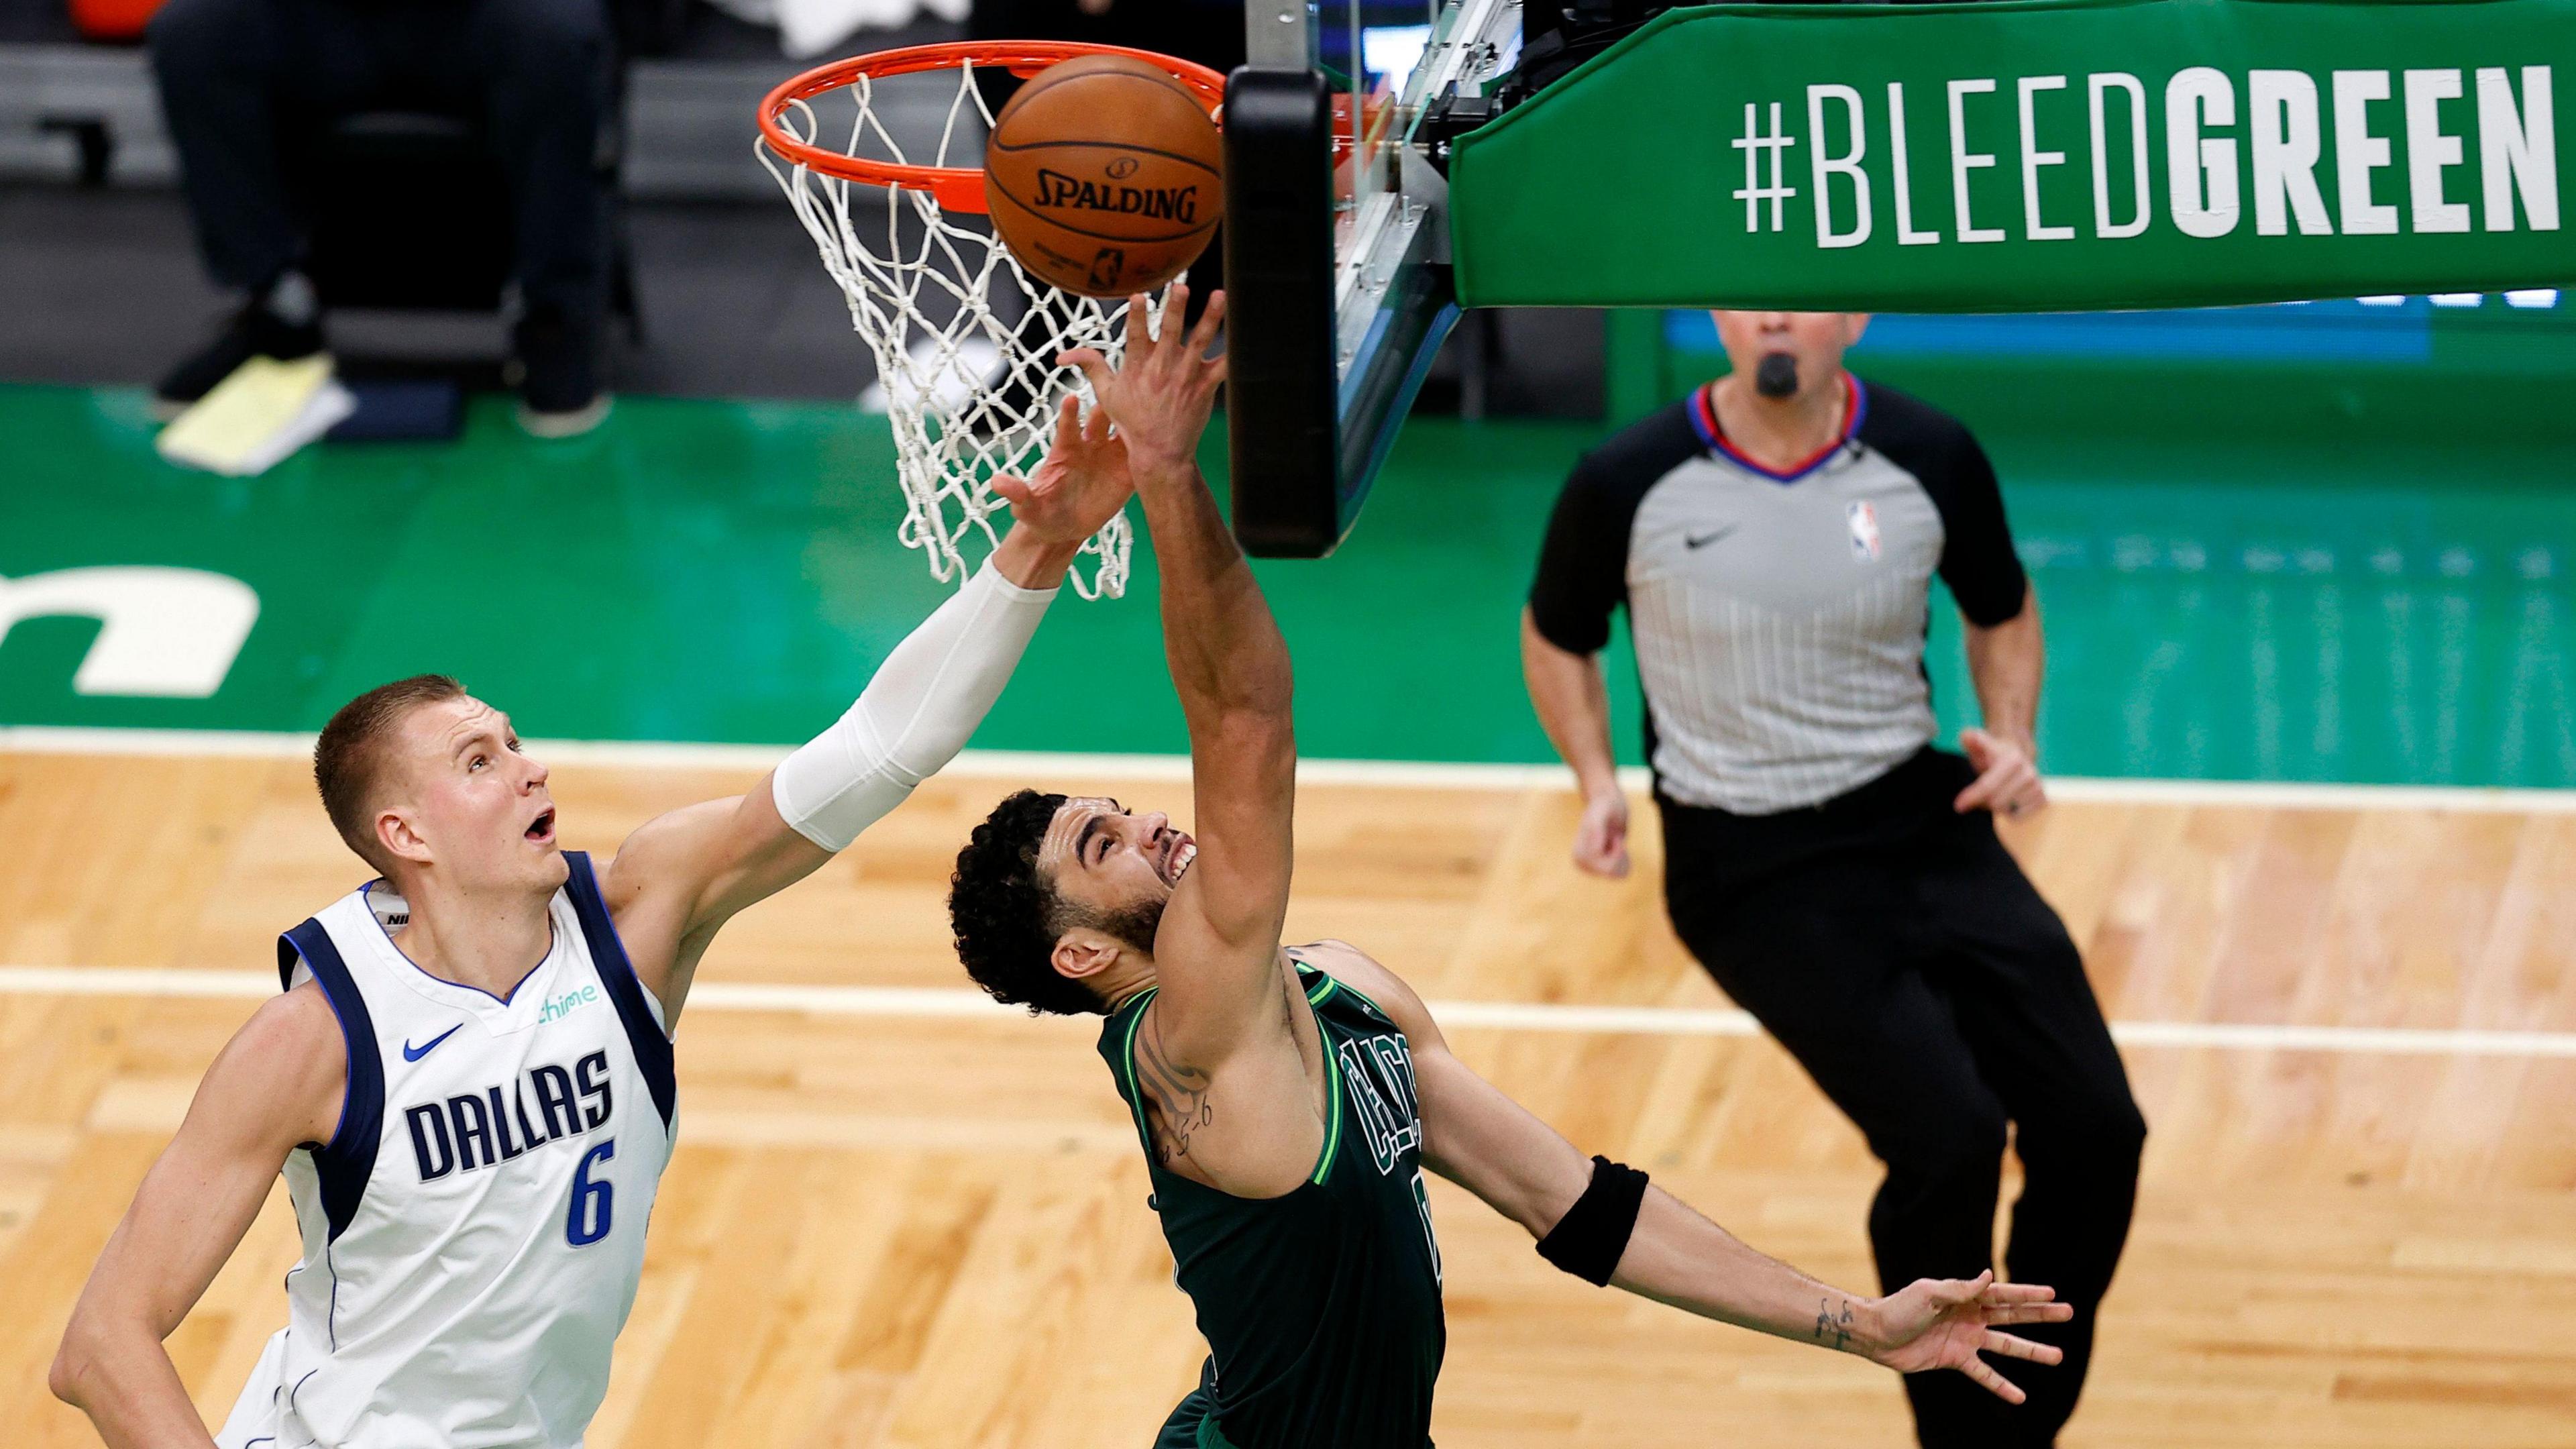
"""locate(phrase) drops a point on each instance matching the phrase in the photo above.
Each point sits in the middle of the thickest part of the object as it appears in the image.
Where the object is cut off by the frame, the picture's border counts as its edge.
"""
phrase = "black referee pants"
(1896, 949)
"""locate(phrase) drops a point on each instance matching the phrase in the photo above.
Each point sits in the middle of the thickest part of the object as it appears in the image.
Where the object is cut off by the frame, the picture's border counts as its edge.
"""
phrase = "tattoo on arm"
(1180, 1093)
(1833, 1329)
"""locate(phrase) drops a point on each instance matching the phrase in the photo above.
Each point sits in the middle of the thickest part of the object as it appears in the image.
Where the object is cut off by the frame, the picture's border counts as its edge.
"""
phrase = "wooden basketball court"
(899, 1218)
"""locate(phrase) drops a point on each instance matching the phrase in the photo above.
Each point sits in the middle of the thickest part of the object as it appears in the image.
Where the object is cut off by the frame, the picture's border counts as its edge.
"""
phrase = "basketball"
(1105, 176)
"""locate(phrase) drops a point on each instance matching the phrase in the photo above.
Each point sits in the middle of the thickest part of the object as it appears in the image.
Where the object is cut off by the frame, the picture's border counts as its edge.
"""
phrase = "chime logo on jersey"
(1379, 1070)
(556, 1008)
(1863, 518)
(474, 1130)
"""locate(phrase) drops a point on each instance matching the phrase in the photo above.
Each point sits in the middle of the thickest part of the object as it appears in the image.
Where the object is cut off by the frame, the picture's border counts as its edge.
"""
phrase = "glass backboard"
(1337, 261)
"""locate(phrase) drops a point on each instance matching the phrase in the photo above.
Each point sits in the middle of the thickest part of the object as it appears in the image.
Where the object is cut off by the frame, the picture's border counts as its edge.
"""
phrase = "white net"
(965, 341)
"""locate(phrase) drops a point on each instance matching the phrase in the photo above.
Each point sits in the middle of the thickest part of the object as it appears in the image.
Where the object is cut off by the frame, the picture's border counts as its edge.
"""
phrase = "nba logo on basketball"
(1864, 531)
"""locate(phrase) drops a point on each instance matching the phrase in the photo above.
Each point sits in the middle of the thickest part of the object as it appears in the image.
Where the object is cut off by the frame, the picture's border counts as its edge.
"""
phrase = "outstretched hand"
(1077, 487)
(1944, 1323)
(1160, 395)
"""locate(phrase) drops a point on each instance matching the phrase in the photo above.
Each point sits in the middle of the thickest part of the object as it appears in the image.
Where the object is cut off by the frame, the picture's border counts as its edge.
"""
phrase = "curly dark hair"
(1007, 916)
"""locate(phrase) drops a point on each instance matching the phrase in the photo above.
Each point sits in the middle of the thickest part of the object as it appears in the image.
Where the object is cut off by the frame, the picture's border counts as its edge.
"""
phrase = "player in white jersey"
(468, 1080)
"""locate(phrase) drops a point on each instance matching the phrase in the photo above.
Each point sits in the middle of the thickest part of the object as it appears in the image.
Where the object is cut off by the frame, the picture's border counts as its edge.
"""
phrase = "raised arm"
(681, 876)
(1524, 1169)
(277, 1084)
(1230, 668)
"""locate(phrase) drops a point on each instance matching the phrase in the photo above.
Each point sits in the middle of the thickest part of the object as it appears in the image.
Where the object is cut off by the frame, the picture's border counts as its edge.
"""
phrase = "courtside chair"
(408, 212)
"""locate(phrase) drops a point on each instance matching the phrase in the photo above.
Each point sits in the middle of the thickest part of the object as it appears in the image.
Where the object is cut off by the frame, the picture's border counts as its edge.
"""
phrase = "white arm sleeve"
(915, 715)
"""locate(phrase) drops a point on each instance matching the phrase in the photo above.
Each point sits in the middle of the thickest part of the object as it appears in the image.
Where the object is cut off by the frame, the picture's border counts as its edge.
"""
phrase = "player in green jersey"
(1289, 1099)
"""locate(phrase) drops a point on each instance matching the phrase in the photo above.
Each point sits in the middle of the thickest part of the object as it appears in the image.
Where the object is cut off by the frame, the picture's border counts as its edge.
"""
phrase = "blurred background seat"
(409, 212)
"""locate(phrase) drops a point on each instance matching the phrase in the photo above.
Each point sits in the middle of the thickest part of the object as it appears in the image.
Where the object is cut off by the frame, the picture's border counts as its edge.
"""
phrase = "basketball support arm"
(1317, 389)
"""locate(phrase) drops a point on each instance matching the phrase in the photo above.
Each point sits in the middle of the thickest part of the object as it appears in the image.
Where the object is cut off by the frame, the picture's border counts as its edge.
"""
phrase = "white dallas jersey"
(474, 1230)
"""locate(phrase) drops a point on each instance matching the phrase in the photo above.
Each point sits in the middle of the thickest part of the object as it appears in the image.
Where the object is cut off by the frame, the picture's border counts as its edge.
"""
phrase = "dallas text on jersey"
(471, 1130)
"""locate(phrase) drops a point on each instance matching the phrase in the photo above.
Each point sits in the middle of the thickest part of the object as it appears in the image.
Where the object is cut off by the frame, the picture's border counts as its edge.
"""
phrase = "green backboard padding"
(1647, 178)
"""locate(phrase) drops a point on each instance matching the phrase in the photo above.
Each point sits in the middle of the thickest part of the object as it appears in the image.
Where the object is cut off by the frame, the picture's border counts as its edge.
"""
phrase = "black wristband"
(1589, 1239)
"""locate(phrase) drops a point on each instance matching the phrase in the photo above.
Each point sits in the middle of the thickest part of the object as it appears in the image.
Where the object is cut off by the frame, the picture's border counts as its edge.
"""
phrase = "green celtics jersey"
(1321, 1308)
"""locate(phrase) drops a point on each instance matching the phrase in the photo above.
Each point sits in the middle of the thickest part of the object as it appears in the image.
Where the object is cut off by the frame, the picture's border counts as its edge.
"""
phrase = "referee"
(1773, 537)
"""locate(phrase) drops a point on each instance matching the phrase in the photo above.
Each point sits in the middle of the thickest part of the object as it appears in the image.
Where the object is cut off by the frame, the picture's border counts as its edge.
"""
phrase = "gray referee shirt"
(1779, 616)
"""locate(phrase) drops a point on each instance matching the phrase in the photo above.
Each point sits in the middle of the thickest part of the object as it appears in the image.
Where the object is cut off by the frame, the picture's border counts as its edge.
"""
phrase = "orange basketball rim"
(957, 188)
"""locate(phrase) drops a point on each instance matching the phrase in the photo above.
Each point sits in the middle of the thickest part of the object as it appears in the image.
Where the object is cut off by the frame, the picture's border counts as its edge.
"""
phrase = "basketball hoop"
(971, 391)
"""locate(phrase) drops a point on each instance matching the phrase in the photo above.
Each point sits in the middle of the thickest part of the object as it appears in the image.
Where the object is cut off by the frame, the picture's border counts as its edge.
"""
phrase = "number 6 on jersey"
(593, 1202)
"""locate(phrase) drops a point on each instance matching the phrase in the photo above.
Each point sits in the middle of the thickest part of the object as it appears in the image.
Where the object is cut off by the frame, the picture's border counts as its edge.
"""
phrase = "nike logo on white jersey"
(415, 1053)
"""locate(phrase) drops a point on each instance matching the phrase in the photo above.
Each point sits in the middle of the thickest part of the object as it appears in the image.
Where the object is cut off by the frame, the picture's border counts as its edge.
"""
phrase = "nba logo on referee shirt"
(1864, 531)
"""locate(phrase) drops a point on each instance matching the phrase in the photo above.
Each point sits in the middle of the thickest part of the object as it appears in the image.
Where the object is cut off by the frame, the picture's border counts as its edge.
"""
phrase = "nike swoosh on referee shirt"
(415, 1053)
(1702, 540)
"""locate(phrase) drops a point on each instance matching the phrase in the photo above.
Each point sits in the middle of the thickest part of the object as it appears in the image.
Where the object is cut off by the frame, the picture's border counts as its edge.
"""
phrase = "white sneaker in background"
(940, 386)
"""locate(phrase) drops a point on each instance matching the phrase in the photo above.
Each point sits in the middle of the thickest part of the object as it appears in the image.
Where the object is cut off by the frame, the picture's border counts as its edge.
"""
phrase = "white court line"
(933, 1002)
(1400, 774)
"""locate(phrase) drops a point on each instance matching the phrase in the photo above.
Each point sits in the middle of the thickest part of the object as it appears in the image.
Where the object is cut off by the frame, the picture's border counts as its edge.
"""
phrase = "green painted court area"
(2248, 573)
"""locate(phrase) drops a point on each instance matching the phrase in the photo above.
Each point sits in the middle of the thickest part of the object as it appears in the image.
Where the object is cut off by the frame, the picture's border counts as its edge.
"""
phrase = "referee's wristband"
(1592, 1236)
